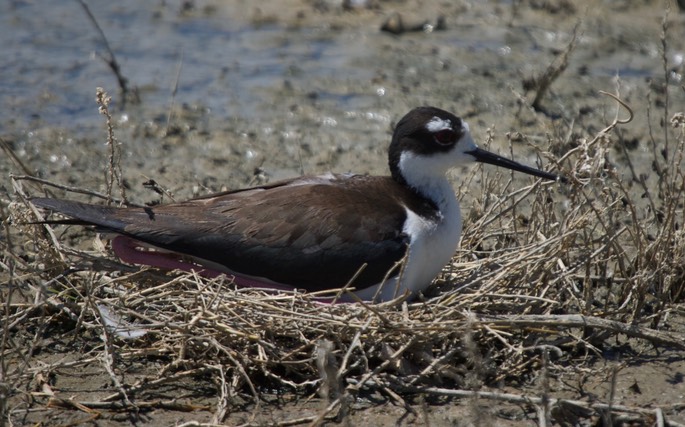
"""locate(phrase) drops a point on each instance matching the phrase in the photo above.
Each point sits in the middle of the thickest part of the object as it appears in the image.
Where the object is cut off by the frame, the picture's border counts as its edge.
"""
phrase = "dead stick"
(580, 321)
(112, 60)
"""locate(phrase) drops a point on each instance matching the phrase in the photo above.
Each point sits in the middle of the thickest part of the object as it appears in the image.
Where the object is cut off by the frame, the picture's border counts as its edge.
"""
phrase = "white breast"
(432, 243)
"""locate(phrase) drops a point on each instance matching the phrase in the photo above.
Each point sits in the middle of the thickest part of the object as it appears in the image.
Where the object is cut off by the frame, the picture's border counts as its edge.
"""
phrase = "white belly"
(432, 245)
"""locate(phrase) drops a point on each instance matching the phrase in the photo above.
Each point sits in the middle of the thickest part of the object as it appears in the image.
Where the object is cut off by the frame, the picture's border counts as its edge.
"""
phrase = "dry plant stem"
(174, 91)
(356, 387)
(111, 60)
(109, 355)
(354, 344)
(69, 188)
(474, 379)
(667, 72)
(114, 162)
(564, 321)
(12, 155)
(641, 180)
(53, 241)
(502, 212)
(553, 71)
(344, 289)
(607, 415)
(434, 365)
(223, 398)
(6, 383)
(604, 131)
(544, 409)
(239, 367)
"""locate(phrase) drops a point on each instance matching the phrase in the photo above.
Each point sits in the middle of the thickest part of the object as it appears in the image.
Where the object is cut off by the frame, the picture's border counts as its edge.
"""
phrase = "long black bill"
(484, 156)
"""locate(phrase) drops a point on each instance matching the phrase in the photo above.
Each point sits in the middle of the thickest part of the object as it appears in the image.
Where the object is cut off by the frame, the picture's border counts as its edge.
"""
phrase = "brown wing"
(287, 232)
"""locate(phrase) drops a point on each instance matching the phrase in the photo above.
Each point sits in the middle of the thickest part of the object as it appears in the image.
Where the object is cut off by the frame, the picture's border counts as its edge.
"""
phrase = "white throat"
(427, 178)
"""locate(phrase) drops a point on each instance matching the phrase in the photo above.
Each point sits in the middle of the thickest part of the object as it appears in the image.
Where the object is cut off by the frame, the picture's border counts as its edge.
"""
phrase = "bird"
(375, 237)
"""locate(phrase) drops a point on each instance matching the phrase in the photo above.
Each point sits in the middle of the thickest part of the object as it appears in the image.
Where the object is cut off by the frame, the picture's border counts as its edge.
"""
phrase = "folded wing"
(287, 232)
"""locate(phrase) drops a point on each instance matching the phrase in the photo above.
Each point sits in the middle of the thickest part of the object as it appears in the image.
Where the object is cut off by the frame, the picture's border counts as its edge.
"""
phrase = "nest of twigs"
(546, 275)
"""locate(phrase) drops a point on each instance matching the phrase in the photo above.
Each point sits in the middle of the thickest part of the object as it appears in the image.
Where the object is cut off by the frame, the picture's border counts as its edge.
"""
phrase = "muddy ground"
(226, 94)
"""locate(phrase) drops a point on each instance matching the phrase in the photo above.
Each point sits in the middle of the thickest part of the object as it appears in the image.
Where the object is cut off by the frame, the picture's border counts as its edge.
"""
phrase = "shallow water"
(54, 58)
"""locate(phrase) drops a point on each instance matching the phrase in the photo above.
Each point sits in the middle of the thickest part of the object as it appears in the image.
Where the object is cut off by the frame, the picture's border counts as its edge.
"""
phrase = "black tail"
(82, 213)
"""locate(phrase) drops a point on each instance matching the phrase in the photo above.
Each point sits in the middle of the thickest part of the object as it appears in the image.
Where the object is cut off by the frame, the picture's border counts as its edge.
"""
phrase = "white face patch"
(436, 124)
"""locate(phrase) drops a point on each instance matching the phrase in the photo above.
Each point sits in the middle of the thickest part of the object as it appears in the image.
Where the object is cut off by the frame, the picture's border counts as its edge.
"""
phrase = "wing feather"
(278, 231)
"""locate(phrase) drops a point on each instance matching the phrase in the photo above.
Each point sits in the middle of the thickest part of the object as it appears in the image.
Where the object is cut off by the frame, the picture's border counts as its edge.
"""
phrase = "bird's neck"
(425, 180)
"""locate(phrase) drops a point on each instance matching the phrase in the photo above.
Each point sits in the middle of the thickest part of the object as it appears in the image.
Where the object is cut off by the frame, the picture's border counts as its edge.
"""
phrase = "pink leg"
(129, 250)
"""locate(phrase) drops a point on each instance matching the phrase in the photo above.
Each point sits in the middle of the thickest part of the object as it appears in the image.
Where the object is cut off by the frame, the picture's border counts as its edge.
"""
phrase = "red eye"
(445, 136)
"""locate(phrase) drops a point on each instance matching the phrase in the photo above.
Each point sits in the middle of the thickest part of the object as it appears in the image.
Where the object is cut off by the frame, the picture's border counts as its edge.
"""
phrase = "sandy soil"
(292, 87)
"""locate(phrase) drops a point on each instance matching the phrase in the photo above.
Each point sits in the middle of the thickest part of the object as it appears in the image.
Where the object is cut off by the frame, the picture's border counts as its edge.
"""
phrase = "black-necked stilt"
(316, 232)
